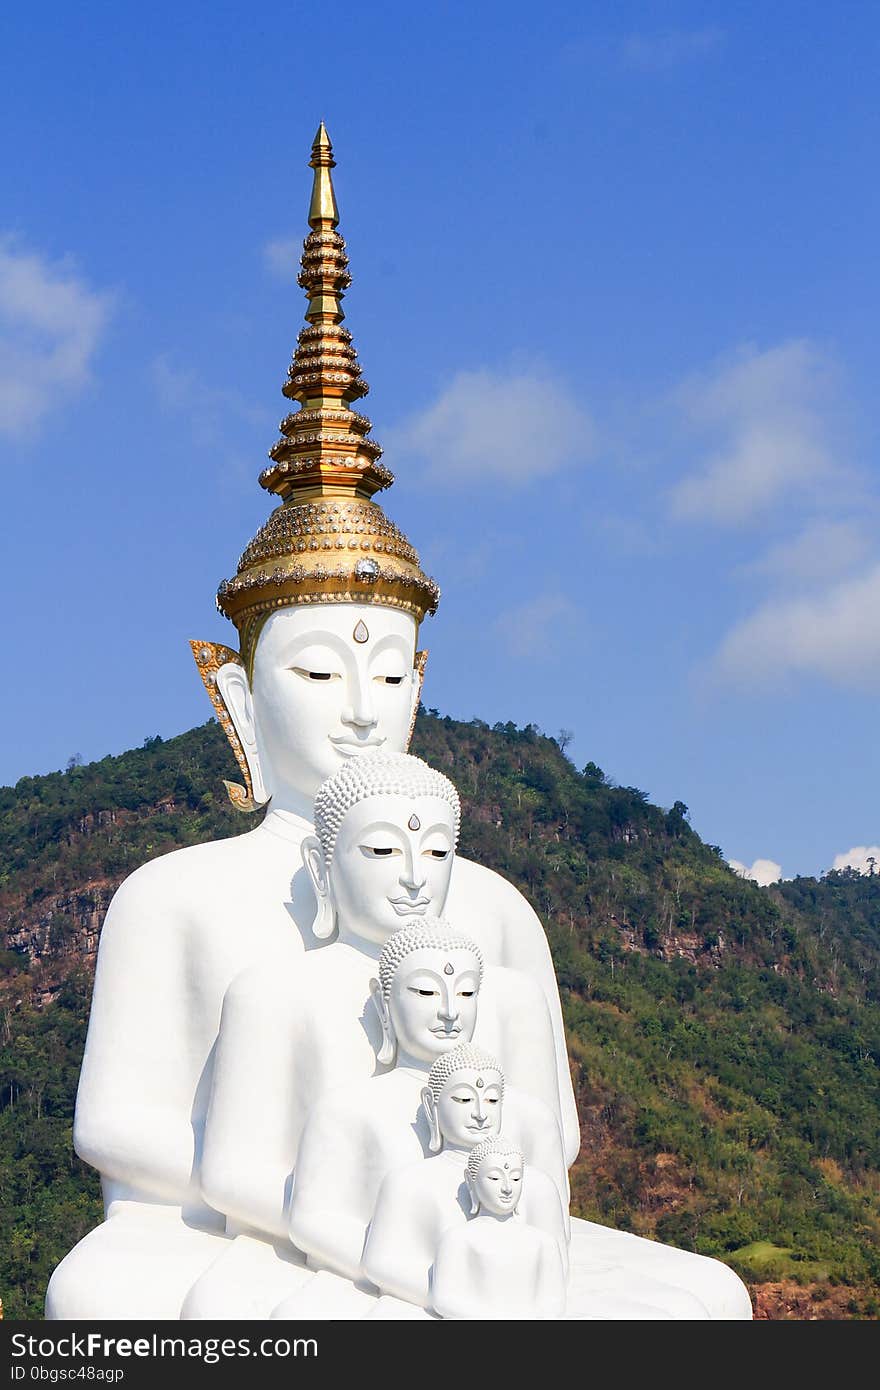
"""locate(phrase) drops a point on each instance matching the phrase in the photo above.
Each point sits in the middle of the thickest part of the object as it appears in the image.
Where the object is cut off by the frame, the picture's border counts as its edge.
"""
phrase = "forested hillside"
(724, 1038)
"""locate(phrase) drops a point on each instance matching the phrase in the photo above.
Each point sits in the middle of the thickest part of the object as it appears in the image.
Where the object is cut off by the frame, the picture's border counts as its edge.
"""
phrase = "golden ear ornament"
(421, 662)
(209, 657)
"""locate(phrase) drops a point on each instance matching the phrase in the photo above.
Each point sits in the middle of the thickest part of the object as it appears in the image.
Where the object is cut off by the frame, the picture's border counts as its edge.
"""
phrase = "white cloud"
(495, 425)
(51, 322)
(656, 52)
(281, 257)
(767, 417)
(834, 634)
(858, 857)
(536, 627)
(823, 551)
(763, 871)
(183, 391)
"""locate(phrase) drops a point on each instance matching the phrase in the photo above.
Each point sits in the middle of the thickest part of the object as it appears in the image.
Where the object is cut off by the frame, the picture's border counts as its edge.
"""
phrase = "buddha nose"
(412, 875)
(449, 1007)
(359, 712)
(506, 1187)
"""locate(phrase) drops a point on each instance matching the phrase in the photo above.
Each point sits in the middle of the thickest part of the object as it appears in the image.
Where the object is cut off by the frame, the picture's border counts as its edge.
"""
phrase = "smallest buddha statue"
(497, 1266)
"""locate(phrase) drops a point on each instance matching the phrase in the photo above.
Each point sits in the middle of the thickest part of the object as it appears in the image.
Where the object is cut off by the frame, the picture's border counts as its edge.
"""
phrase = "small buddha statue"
(386, 827)
(464, 1102)
(427, 990)
(496, 1266)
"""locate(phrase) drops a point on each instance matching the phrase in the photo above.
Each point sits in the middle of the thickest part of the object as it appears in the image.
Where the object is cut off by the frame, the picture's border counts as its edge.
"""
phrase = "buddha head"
(494, 1177)
(386, 827)
(328, 596)
(463, 1098)
(426, 993)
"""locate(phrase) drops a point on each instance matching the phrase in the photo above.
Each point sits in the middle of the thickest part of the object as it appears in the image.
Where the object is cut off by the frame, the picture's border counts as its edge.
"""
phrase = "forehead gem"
(449, 968)
(361, 632)
(480, 1082)
(414, 823)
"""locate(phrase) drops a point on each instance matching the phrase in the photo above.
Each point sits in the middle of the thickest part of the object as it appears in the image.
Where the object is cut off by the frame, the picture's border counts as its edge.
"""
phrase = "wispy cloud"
(864, 858)
(834, 634)
(822, 551)
(763, 871)
(670, 49)
(488, 425)
(537, 627)
(281, 257)
(51, 324)
(768, 421)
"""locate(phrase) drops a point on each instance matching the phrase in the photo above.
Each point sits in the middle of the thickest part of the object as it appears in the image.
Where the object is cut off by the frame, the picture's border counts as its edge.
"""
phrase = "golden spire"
(324, 450)
(328, 541)
(323, 207)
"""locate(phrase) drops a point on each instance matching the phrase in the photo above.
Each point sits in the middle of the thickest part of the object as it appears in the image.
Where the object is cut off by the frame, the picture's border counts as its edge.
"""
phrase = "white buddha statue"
(428, 980)
(465, 1103)
(327, 601)
(293, 1028)
(496, 1266)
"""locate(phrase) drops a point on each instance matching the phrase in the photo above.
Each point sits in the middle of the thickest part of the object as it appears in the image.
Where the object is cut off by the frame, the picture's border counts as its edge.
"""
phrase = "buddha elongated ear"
(475, 1201)
(235, 690)
(429, 1105)
(419, 665)
(211, 657)
(388, 1050)
(316, 868)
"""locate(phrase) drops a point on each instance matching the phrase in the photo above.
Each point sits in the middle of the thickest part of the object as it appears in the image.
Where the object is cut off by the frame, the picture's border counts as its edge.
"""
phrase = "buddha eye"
(491, 1100)
(425, 993)
(466, 993)
(378, 851)
(317, 675)
(389, 680)
(436, 853)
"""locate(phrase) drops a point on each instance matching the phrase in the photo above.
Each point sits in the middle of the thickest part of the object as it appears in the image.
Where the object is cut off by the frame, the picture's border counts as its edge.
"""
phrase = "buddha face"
(469, 1107)
(432, 1005)
(497, 1186)
(392, 861)
(330, 681)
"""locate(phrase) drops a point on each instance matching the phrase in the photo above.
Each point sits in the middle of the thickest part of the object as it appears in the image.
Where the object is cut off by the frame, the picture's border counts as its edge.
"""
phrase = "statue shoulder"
(185, 872)
(476, 882)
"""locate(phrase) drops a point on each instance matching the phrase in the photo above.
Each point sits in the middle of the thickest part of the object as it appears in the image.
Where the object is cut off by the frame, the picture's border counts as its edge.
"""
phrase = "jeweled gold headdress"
(328, 541)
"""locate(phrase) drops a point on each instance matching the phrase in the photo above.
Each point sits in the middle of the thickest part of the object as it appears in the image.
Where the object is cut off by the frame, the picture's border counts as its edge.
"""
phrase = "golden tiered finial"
(328, 541)
(324, 450)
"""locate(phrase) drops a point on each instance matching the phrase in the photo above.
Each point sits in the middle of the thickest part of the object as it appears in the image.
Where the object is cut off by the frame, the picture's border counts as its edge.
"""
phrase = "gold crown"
(327, 542)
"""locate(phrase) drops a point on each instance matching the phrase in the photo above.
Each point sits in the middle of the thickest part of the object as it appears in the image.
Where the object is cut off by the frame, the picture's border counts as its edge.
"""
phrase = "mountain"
(724, 1038)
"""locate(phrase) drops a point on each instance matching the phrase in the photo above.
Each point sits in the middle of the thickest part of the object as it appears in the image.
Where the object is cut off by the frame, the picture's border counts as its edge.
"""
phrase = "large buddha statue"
(327, 601)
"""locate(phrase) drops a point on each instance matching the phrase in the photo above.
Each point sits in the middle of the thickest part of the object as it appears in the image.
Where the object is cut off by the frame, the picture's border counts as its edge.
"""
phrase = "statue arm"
(551, 1291)
(325, 1222)
(525, 948)
(133, 1105)
(257, 1106)
(451, 1293)
(544, 1209)
(394, 1259)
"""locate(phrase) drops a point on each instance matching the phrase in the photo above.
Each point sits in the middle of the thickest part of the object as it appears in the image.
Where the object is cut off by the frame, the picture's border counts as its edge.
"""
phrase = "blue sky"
(615, 291)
